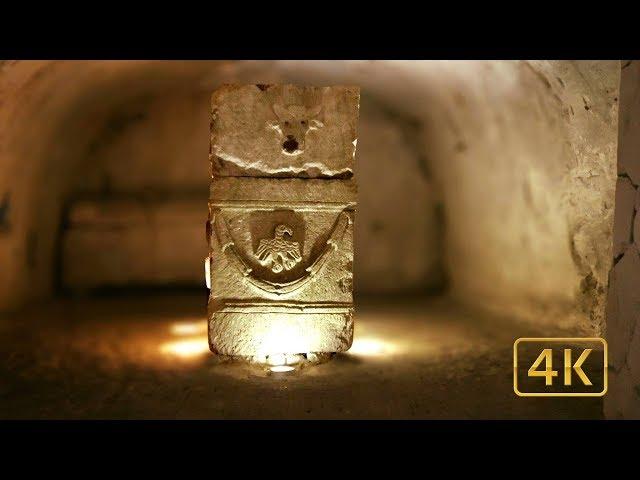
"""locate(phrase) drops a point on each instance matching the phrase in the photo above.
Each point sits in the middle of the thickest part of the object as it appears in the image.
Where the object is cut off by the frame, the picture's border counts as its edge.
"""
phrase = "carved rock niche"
(281, 212)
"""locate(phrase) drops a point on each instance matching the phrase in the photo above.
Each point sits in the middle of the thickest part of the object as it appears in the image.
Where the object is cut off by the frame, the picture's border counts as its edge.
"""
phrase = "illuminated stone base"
(259, 330)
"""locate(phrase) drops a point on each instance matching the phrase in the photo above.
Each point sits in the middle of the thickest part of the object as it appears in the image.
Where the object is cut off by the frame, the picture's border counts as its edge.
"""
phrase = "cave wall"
(496, 175)
(154, 155)
(52, 115)
(524, 153)
(528, 186)
(114, 137)
(135, 213)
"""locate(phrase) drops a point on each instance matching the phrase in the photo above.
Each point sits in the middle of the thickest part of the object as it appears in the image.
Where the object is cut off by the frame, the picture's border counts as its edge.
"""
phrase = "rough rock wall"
(525, 155)
(623, 305)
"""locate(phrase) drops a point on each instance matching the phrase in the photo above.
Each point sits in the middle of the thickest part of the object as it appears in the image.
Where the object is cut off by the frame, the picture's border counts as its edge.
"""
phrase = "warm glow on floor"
(194, 343)
(189, 328)
(371, 347)
(187, 348)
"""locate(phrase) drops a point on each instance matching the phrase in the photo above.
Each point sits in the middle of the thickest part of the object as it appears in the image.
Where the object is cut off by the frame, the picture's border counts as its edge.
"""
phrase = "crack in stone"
(617, 258)
(5, 204)
(309, 169)
(626, 175)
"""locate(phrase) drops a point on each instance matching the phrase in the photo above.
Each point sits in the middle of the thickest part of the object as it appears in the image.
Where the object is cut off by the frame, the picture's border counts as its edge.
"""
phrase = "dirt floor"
(133, 357)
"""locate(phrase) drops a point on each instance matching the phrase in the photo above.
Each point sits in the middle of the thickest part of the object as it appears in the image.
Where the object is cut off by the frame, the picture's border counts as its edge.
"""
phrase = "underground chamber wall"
(516, 202)
(512, 157)
(139, 198)
(497, 177)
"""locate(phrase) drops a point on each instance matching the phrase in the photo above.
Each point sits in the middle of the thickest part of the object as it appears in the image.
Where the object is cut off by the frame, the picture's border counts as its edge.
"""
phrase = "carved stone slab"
(284, 131)
(280, 227)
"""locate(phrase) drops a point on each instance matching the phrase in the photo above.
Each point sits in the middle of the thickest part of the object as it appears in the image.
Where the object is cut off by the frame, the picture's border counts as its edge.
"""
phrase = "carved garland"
(229, 248)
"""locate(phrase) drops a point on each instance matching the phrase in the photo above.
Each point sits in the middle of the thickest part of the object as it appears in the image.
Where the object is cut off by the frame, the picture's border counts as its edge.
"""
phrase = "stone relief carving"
(228, 246)
(277, 253)
(281, 209)
(346, 284)
(293, 124)
(283, 131)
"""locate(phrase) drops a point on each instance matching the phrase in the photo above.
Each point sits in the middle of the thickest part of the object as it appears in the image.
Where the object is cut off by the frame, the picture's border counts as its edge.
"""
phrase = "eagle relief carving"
(277, 253)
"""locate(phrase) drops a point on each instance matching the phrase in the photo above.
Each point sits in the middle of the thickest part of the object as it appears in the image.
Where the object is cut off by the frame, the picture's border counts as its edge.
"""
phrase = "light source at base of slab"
(283, 359)
(196, 327)
(281, 368)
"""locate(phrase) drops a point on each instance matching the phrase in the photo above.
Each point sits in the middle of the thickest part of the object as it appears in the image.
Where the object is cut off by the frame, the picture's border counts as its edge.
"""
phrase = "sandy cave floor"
(146, 357)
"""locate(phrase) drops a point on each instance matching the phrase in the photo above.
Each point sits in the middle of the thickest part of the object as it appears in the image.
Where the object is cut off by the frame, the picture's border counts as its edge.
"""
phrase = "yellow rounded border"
(564, 340)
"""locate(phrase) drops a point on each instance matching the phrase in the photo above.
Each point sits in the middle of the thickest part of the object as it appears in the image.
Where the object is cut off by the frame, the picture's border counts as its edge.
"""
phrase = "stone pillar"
(623, 303)
(281, 213)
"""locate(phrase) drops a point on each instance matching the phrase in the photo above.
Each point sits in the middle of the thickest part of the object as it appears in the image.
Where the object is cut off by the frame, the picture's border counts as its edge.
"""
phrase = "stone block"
(283, 131)
(281, 219)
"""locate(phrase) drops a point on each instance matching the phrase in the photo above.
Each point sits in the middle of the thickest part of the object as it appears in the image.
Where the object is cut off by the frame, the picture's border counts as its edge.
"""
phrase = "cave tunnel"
(488, 192)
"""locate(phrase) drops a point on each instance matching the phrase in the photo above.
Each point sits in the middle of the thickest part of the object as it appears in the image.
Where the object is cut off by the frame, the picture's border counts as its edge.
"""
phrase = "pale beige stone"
(283, 130)
(269, 332)
(321, 230)
(280, 243)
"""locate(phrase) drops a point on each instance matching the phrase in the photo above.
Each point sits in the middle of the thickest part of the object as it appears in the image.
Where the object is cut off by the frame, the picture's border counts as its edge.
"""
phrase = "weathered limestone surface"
(281, 214)
(281, 130)
(623, 303)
